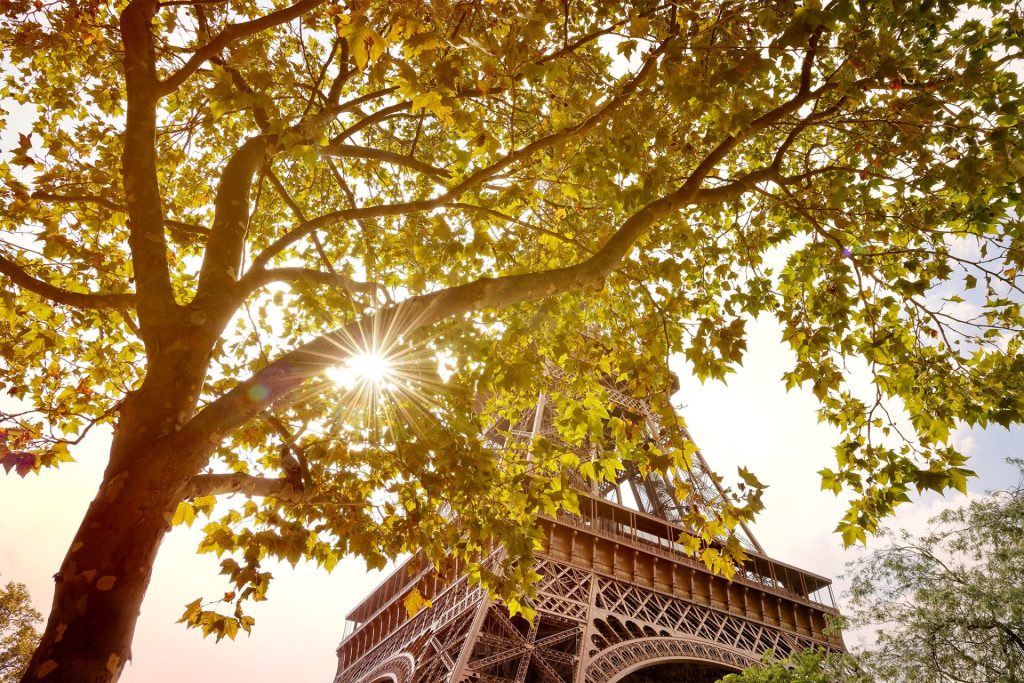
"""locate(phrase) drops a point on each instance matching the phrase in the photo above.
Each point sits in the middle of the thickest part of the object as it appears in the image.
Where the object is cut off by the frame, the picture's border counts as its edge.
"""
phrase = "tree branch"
(62, 296)
(359, 152)
(472, 180)
(78, 199)
(246, 484)
(181, 226)
(222, 259)
(255, 279)
(370, 119)
(138, 170)
(276, 382)
(229, 35)
(344, 72)
(803, 95)
(297, 210)
(512, 219)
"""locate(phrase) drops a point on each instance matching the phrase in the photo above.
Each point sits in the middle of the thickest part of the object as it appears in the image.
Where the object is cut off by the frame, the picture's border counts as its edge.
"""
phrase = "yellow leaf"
(431, 101)
(364, 44)
(691, 544)
(184, 513)
(204, 504)
(192, 611)
(421, 42)
(414, 602)
(516, 607)
(709, 557)
(231, 628)
(751, 480)
(356, 35)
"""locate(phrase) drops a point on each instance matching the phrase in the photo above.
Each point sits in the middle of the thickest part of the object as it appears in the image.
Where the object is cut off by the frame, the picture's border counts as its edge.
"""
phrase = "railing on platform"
(619, 523)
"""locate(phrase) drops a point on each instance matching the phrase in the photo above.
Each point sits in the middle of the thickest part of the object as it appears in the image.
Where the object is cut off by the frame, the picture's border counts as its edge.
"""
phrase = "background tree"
(948, 605)
(216, 206)
(809, 666)
(18, 634)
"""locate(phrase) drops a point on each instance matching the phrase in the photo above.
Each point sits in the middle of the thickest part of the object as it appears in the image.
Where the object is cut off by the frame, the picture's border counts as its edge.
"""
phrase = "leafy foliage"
(18, 636)
(211, 205)
(948, 605)
(809, 666)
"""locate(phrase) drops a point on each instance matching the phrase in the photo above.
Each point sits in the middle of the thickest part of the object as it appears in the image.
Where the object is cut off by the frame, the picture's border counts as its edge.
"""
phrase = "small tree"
(809, 666)
(948, 606)
(18, 635)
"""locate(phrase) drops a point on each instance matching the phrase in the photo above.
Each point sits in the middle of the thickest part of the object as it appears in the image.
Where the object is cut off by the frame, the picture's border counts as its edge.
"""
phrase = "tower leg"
(460, 671)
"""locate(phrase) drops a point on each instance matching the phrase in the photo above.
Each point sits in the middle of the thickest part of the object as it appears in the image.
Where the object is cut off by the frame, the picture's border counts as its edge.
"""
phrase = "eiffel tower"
(620, 599)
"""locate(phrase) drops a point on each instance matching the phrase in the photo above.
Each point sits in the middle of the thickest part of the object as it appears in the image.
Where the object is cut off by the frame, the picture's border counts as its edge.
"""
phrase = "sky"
(749, 421)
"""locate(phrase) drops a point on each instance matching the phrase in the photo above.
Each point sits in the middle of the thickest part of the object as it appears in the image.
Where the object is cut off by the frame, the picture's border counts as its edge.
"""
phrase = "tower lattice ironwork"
(620, 599)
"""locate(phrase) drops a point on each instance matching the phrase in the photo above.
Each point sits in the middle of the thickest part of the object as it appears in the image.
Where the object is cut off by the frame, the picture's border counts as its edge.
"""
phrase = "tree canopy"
(219, 215)
(18, 634)
(947, 605)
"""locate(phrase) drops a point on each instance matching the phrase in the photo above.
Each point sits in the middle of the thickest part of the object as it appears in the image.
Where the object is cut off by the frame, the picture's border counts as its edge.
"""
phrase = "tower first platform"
(620, 599)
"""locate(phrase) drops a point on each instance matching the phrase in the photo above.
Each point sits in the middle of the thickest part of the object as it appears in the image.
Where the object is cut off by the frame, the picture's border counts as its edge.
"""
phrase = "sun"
(378, 382)
(367, 369)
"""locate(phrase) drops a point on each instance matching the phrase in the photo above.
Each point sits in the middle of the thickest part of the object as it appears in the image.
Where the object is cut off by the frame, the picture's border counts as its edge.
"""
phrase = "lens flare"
(368, 368)
(380, 386)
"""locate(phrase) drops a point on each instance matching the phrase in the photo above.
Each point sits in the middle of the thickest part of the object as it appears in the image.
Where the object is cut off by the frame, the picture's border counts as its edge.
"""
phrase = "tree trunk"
(102, 582)
(104, 576)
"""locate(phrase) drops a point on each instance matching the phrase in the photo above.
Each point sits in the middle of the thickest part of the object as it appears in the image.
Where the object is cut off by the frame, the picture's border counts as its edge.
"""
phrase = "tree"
(18, 635)
(808, 666)
(948, 605)
(216, 208)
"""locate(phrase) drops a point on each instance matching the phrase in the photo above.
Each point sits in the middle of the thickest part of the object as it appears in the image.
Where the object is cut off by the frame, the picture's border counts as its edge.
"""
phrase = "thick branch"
(231, 34)
(735, 188)
(803, 95)
(344, 71)
(62, 296)
(745, 183)
(138, 168)
(222, 259)
(246, 484)
(288, 372)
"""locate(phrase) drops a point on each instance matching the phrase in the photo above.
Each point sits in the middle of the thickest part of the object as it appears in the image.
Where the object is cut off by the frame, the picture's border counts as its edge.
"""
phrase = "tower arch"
(396, 669)
(618, 662)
